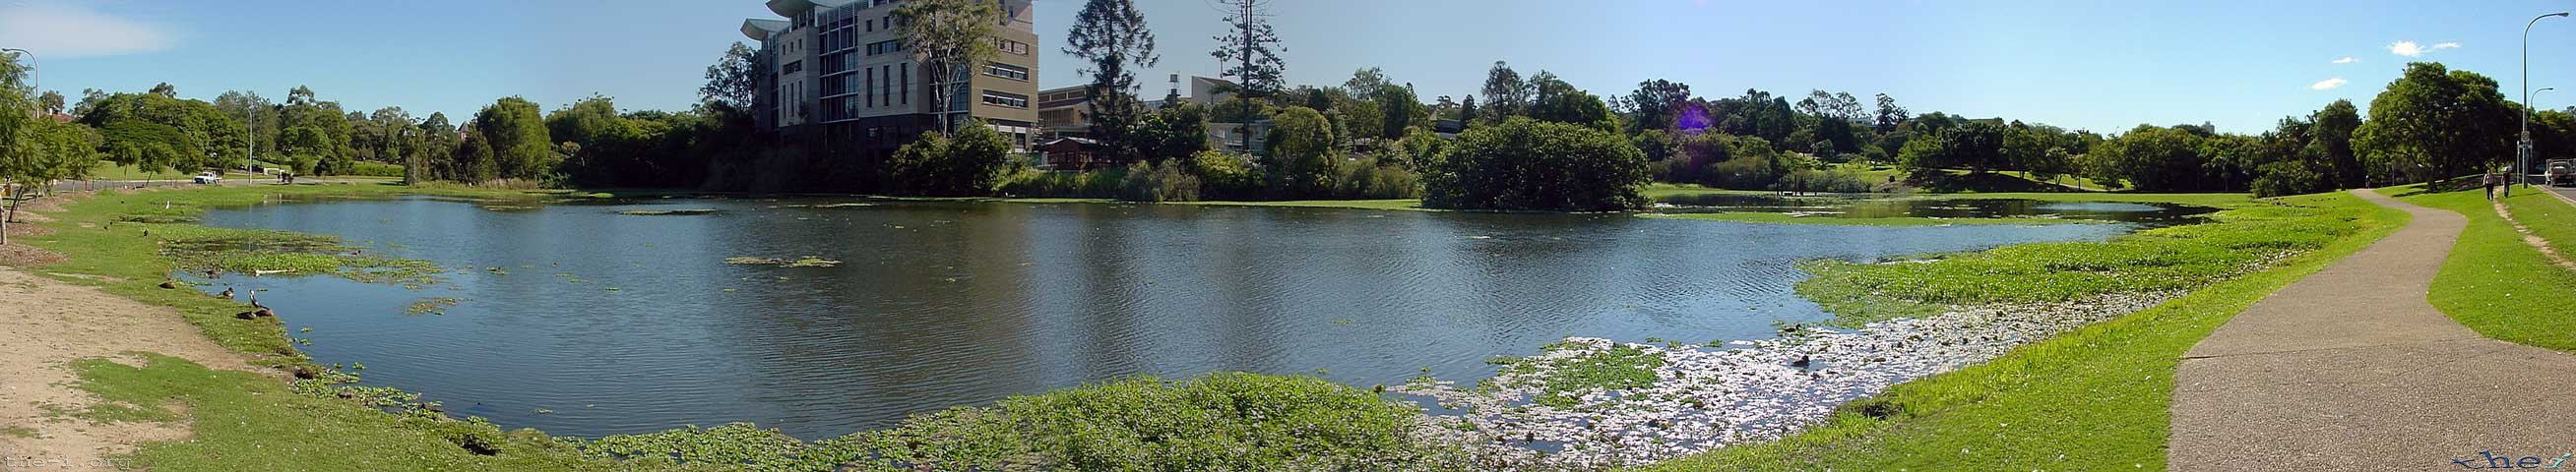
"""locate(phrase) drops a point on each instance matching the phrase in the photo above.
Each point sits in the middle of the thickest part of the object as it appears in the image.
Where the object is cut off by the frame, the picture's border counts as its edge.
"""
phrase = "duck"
(1802, 362)
(263, 311)
(228, 293)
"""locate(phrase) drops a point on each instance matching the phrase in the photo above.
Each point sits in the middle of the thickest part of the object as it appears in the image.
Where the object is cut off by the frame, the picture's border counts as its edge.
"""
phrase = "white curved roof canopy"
(759, 29)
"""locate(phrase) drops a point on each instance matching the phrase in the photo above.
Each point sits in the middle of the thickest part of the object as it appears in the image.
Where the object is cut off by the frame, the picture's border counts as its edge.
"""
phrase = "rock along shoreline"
(1705, 397)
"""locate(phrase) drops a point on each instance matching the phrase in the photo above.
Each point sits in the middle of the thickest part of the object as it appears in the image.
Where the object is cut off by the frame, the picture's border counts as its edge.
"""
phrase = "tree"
(951, 38)
(2433, 122)
(1560, 102)
(1302, 156)
(1250, 49)
(1505, 93)
(2332, 138)
(2152, 158)
(166, 90)
(1658, 102)
(1178, 132)
(51, 102)
(963, 164)
(1467, 111)
(1111, 37)
(473, 159)
(731, 80)
(1526, 164)
(520, 146)
(161, 132)
(255, 112)
(1400, 110)
(1889, 115)
(433, 152)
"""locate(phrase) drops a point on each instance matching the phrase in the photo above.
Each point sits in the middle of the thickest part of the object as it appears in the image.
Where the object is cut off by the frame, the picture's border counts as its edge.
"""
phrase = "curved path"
(2351, 369)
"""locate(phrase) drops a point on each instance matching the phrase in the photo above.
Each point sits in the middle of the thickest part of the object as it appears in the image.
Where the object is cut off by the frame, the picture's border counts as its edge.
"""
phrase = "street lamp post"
(2523, 161)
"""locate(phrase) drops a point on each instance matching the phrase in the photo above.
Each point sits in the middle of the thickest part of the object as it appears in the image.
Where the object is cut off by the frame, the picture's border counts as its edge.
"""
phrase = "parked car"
(208, 178)
(2562, 173)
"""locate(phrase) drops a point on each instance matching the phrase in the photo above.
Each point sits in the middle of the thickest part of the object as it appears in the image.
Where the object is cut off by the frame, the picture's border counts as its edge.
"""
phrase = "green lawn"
(2091, 399)
(111, 171)
(2547, 216)
(1788, 219)
(2497, 284)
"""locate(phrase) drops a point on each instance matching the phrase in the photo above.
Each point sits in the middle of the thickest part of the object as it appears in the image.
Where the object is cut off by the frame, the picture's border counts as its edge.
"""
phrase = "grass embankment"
(1789, 219)
(248, 422)
(2092, 399)
(2497, 284)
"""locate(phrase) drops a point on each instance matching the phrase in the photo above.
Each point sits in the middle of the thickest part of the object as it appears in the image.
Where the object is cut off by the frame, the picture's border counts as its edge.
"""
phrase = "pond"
(624, 316)
(1845, 206)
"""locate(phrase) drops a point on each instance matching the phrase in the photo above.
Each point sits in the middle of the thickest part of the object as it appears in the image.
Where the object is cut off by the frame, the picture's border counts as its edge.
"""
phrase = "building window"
(792, 67)
(1007, 71)
(907, 83)
(1011, 47)
(1005, 99)
(871, 87)
(882, 47)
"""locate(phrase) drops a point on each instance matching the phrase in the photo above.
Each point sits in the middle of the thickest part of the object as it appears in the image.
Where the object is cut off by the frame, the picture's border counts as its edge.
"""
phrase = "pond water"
(581, 320)
(1838, 206)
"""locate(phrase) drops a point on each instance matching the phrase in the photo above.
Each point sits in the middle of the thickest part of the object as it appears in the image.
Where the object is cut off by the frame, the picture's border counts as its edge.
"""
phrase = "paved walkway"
(2351, 369)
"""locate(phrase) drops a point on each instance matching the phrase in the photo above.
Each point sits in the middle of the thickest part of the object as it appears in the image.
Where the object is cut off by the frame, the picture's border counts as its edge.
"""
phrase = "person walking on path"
(2490, 180)
(2352, 369)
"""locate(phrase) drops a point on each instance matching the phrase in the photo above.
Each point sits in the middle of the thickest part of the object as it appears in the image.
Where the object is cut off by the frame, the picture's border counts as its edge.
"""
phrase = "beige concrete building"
(838, 70)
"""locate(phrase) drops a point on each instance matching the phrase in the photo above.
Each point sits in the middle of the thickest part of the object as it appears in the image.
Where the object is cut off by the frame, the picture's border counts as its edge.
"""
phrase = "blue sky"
(2104, 66)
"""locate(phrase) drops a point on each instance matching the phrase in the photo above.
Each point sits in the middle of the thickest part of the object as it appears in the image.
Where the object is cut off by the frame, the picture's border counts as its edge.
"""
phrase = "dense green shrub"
(1302, 157)
(1224, 175)
(1087, 184)
(1165, 182)
(1524, 164)
(1377, 179)
(966, 163)
(1224, 421)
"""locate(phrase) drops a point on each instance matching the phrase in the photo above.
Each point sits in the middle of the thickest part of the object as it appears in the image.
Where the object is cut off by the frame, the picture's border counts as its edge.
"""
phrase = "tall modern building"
(838, 70)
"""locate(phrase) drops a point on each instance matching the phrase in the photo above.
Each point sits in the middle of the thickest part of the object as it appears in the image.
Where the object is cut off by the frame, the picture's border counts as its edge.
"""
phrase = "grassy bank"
(2092, 399)
(2497, 284)
(1788, 219)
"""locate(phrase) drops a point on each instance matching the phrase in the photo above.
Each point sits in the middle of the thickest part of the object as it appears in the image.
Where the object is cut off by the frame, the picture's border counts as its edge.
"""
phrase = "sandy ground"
(52, 323)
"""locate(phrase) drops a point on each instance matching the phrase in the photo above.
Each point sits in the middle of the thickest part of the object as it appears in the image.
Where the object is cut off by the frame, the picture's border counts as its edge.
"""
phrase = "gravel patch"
(1706, 397)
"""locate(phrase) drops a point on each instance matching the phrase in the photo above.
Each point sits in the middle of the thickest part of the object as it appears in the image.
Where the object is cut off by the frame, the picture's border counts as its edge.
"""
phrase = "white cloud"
(2405, 48)
(2346, 60)
(2328, 84)
(2411, 49)
(61, 29)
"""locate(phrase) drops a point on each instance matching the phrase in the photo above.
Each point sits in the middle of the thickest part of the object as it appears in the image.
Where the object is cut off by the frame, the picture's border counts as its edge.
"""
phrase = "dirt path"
(49, 324)
(2351, 369)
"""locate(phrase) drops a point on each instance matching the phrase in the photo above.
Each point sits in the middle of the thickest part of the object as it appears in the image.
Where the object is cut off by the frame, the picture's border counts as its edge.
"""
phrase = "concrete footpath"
(2351, 369)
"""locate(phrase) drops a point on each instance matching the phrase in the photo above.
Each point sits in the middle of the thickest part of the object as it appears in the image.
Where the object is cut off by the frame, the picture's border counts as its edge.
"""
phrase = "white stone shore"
(1709, 397)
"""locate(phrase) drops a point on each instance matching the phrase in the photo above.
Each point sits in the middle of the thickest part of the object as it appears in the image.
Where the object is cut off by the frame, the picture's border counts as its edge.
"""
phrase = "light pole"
(2523, 160)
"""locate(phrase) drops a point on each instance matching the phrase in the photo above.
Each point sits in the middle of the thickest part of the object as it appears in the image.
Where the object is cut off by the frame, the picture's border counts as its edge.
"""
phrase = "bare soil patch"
(52, 324)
